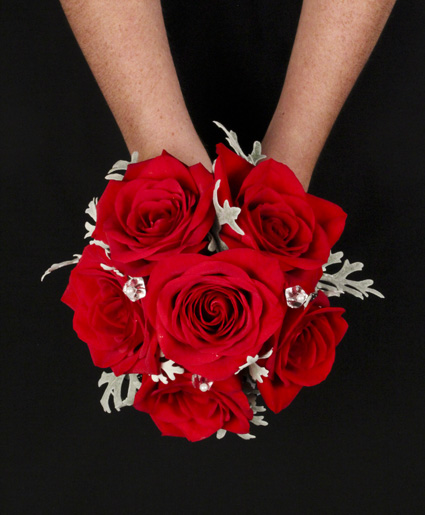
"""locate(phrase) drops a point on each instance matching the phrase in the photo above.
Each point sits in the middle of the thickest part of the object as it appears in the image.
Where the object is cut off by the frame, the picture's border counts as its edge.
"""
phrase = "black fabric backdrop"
(353, 444)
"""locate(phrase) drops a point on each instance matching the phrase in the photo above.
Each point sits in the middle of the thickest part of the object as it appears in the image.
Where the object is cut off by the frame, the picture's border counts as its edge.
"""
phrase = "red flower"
(303, 351)
(277, 216)
(180, 409)
(160, 208)
(107, 320)
(211, 312)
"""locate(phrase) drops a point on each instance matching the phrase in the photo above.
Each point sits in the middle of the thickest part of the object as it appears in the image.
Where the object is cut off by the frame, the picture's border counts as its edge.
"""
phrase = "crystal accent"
(201, 383)
(295, 296)
(135, 288)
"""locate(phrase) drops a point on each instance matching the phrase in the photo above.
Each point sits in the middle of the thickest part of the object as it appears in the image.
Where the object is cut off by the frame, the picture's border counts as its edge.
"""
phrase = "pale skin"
(126, 47)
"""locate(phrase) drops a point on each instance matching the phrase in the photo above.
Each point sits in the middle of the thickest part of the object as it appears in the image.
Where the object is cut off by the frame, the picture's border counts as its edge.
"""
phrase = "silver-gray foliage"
(226, 214)
(114, 389)
(334, 285)
(254, 157)
(121, 165)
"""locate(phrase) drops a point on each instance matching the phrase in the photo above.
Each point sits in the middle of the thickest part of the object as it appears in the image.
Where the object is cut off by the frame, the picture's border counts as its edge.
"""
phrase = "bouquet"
(202, 292)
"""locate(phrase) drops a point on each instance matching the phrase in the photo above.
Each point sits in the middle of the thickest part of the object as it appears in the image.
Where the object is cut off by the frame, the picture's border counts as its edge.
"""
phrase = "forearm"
(333, 42)
(126, 47)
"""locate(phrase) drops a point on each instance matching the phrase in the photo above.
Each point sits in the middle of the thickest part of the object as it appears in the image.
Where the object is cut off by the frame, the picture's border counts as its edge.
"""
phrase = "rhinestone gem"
(201, 383)
(295, 296)
(135, 288)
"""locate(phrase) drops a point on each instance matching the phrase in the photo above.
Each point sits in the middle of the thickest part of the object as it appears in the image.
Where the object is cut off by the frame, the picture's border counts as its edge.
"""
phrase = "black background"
(353, 444)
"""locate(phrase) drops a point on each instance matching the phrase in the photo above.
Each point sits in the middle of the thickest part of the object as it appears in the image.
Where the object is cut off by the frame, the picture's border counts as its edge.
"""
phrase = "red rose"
(303, 351)
(106, 319)
(211, 312)
(160, 208)
(180, 409)
(277, 216)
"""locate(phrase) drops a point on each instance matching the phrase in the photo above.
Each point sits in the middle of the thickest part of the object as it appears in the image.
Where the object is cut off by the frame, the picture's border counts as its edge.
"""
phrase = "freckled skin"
(125, 44)
(333, 42)
(126, 47)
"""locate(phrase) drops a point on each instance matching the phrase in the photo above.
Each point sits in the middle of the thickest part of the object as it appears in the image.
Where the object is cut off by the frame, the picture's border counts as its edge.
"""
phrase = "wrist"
(291, 152)
(184, 145)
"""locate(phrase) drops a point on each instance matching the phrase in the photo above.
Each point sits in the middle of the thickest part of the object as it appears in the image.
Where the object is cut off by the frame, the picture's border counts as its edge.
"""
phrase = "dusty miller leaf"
(91, 211)
(121, 165)
(221, 433)
(246, 436)
(104, 246)
(254, 406)
(114, 177)
(259, 420)
(338, 283)
(216, 244)
(111, 269)
(256, 372)
(232, 139)
(254, 158)
(114, 389)
(170, 369)
(56, 266)
(226, 214)
(334, 258)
